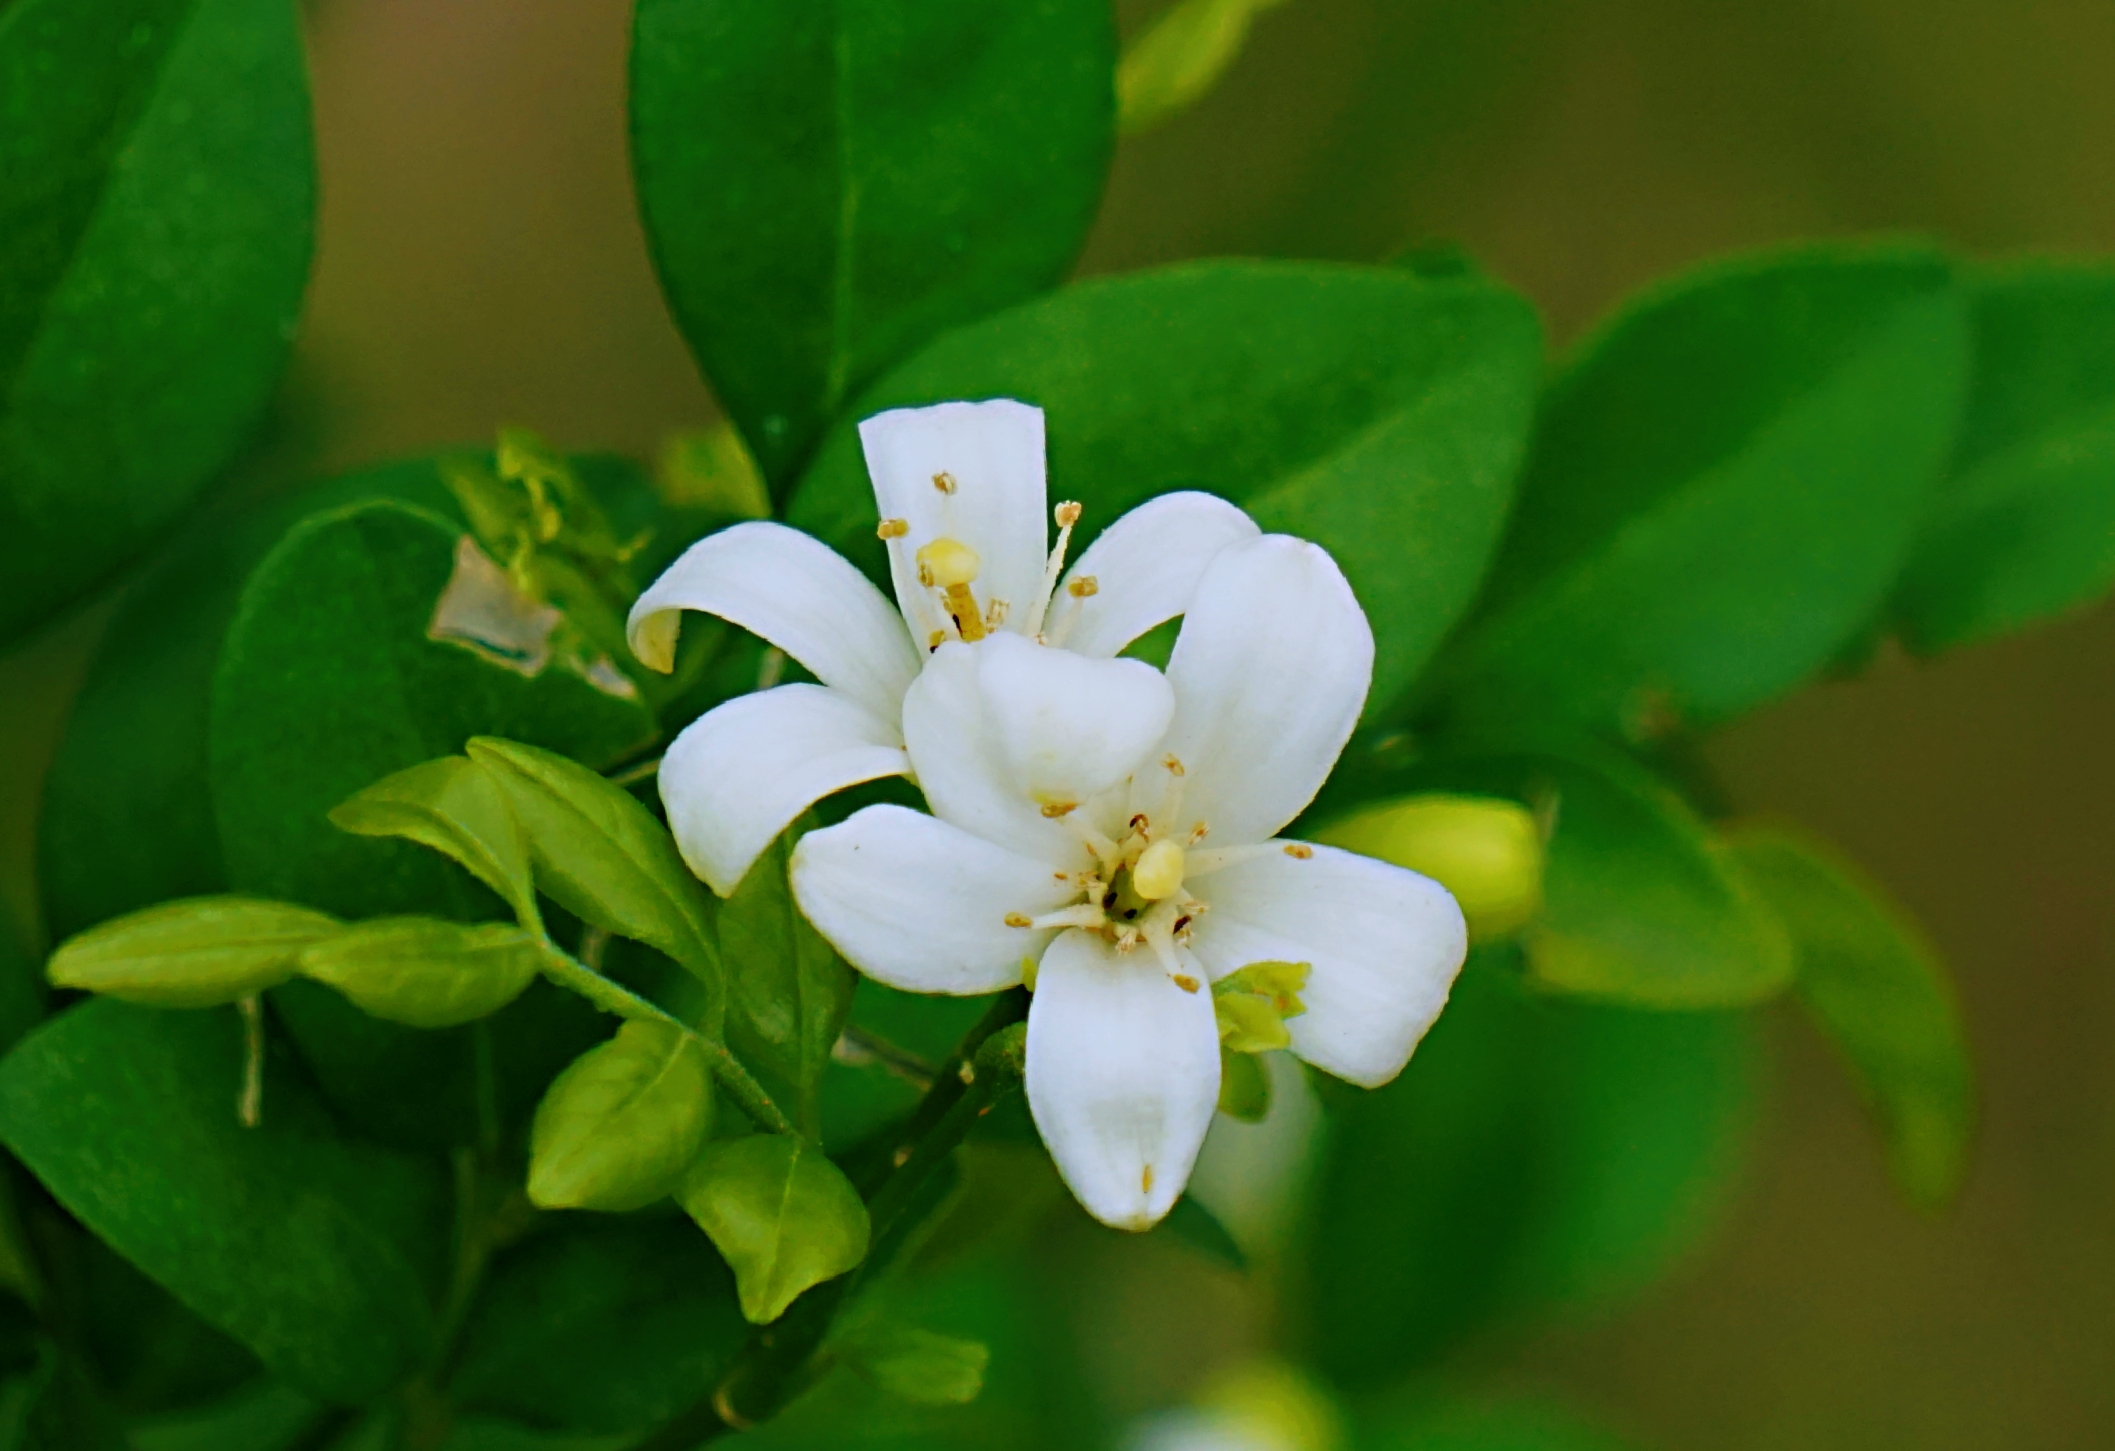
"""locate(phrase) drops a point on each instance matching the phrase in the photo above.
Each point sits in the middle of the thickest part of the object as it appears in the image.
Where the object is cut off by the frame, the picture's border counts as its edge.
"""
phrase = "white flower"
(961, 494)
(1109, 834)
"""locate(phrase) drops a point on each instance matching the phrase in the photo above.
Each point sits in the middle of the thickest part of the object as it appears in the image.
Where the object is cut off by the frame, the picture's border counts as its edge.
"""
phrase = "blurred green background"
(480, 263)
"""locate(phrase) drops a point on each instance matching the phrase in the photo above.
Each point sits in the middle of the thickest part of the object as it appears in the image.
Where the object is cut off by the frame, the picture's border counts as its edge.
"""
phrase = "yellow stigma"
(1159, 871)
(947, 563)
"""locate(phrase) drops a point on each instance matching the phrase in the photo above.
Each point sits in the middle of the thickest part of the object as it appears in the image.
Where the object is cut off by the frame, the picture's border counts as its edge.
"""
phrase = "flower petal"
(1145, 569)
(795, 592)
(921, 905)
(738, 774)
(1384, 945)
(1123, 1076)
(991, 456)
(1270, 672)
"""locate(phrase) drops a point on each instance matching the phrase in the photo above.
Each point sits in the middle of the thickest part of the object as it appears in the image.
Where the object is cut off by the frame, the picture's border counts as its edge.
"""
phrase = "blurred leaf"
(21, 984)
(196, 953)
(1244, 1086)
(1489, 1426)
(148, 1353)
(1488, 854)
(611, 1325)
(1722, 486)
(315, 1251)
(1536, 1150)
(601, 855)
(1169, 68)
(1880, 993)
(2023, 526)
(455, 807)
(784, 1217)
(1377, 414)
(1200, 1229)
(265, 1416)
(157, 192)
(827, 187)
(788, 992)
(619, 1127)
(710, 470)
(916, 1365)
(426, 973)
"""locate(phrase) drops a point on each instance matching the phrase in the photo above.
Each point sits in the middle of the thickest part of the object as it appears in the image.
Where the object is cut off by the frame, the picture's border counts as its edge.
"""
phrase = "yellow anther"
(892, 528)
(1299, 852)
(1017, 919)
(947, 563)
(944, 482)
(1057, 808)
(1159, 871)
(1184, 981)
(1067, 514)
(935, 640)
(1083, 587)
(1172, 765)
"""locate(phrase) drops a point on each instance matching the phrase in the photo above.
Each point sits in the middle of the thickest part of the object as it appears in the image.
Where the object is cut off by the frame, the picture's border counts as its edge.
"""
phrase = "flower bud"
(1487, 852)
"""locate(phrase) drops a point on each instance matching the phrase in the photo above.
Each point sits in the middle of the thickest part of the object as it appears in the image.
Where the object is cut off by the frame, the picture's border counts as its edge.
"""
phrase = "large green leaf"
(157, 192)
(1536, 1150)
(1879, 991)
(2024, 525)
(1722, 487)
(1379, 414)
(316, 1252)
(828, 186)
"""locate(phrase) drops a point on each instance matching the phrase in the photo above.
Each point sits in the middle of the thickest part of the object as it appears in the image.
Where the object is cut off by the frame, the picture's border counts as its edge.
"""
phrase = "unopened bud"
(1487, 852)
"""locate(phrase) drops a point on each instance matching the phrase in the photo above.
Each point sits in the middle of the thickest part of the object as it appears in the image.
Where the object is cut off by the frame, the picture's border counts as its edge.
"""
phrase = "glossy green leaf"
(1536, 1150)
(423, 972)
(1722, 487)
(1874, 985)
(455, 807)
(1181, 56)
(607, 1326)
(193, 953)
(619, 1127)
(2023, 526)
(826, 187)
(316, 1252)
(788, 992)
(914, 1365)
(784, 1217)
(1376, 413)
(157, 198)
(330, 679)
(601, 855)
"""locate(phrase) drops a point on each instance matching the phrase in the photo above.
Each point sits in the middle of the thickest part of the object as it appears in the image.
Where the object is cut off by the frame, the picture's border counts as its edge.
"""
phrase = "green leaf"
(610, 1326)
(601, 855)
(1169, 68)
(190, 954)
(914, 1365)
(314, 1251)
(619, 1127)
(1536, 1150)
(815, 213)
(1874, 985)
(1376, 413)
(1484, 1426)
(788, 992)
(455, 807)
(331, 679)
(784, 1217)
(1722, 487)
(2023, 526)
(157, 198)
(426, 973)
(21, 985)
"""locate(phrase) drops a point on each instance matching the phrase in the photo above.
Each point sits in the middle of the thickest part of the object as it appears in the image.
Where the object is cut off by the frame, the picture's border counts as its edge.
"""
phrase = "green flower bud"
(1485, 851)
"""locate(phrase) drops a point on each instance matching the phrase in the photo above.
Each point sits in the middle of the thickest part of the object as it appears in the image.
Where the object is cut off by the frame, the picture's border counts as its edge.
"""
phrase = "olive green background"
(479, 262)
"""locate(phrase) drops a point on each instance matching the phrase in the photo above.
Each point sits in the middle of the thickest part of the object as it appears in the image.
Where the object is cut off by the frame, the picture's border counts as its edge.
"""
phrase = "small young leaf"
(190, 954)
(1166, 70)
(917, 1365)
(1878, 990)
(601, 855)
(784, 1216)
(788, 992)
(424, 972)
(619, 1127)
(454, 806)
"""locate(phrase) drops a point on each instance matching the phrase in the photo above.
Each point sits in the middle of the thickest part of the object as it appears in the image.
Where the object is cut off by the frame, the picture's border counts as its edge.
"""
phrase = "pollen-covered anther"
(1158, 874)
(1067, 514)
(1019, 919)
(935, 640)
(1172, 764)
(1184, 981)
(1084, 587)
(1059, 808)
(1197, 834)
(944, 482)
(1298, 851)
(892, 528)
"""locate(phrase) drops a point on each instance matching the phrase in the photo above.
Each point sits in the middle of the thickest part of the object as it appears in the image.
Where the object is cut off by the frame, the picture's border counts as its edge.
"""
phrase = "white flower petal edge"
(1123, 1078)
(1270, 673)
(1384, 945)
(741, 772)
(920, 905)
(794, 591)
(1145, 569)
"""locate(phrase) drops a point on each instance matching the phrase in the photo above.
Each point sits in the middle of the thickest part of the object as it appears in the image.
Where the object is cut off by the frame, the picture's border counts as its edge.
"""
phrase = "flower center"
(1132, 894)
(948, 567)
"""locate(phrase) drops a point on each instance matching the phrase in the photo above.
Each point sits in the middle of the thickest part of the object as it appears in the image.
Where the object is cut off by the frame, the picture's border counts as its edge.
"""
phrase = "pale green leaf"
(192, 953)
(425, 972)
(455, 807)
(785, 1217)
(619, 1127)
(915, 1365)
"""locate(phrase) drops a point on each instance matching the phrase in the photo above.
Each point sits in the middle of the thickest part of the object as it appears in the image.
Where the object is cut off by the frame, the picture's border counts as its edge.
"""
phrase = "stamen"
(994, 615)
(1018, 919)
(1299, 851)
(1067, 514)
(944, 482)
(905, 568)
(1085, 587)
(1056, 809)
(1184, 981)
(892, 528)
(1107, 854)
(1172, 764)
(1197, 834)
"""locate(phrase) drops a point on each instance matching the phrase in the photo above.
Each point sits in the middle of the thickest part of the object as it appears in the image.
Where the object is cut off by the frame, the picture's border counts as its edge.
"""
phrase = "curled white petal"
(1123, 1077)
(988, 458)
(795, 592)
(1384, 945)
(1270, 672)
(1145, 568)
(920, 905)
(739, 774)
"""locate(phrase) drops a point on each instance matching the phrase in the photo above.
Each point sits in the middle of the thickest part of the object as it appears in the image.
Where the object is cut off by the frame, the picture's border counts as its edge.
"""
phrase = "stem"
(613, 997)
(249, 1108)
(632, 775)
